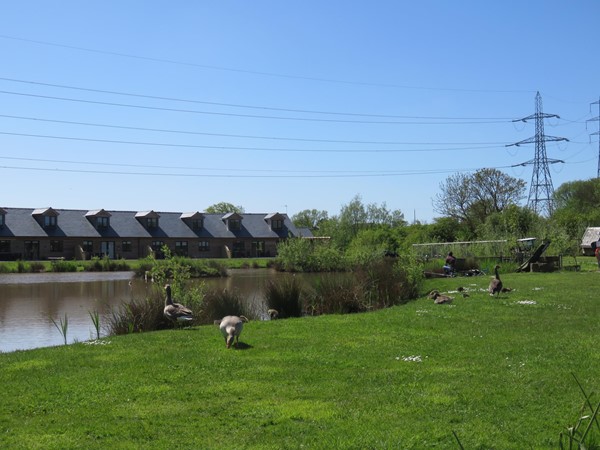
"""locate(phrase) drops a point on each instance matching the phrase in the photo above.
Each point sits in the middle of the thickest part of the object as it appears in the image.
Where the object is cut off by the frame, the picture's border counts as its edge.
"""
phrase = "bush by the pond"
(63, 266)
(285, 296)
(303, 255)
(217, 304)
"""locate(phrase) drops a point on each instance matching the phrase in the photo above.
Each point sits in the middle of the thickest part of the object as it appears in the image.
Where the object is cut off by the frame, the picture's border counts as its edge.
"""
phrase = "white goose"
(176, 312)
(231, 328)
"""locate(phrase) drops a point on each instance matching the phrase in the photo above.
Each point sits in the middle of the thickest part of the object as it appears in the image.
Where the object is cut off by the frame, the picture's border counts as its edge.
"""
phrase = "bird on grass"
(439, 298)
(231, 328)
(273, 314)
(176, 312)
(496, 283)
(505, 289)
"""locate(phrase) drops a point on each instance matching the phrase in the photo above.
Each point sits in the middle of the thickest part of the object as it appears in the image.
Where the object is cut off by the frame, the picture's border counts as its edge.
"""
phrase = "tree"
(309, 218)
(471, 198)
(224, 208)
(577, 206)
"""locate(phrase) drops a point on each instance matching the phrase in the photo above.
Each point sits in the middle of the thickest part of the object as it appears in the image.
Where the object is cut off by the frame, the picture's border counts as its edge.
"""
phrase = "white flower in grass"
(527, 302)
(413, 358)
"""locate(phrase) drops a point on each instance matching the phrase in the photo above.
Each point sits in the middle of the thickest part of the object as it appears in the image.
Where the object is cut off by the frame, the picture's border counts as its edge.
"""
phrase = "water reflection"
(29, 301)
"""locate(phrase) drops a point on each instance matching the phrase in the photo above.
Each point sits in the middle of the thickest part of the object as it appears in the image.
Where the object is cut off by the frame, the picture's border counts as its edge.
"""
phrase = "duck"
(496, 283)
(439, 298)
(231, 328)
(176, 312)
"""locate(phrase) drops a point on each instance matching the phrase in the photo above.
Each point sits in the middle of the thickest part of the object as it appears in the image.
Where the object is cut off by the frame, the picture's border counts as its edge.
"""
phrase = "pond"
(29, 302)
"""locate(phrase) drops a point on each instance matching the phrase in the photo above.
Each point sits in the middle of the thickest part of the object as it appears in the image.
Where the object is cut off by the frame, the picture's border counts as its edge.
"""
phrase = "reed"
(62, 326)
(217, 304)
(95, 316)
(285, 296)
(579, 435)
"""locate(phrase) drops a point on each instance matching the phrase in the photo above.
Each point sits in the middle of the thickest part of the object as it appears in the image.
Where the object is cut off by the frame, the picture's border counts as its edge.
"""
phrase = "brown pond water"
(28, 302)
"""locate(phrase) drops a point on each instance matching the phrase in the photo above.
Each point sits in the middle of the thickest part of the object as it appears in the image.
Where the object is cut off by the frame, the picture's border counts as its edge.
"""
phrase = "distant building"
(48, 233)
(589, 241)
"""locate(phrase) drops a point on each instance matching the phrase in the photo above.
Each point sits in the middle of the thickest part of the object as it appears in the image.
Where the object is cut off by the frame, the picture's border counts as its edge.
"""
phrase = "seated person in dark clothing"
(449, 267)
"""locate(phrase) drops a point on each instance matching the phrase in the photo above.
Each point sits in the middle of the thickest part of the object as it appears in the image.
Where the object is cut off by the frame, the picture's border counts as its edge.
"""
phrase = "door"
(107, 248)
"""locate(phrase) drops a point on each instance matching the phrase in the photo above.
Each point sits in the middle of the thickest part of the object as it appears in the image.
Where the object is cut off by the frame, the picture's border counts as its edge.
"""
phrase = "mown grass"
(495, 372)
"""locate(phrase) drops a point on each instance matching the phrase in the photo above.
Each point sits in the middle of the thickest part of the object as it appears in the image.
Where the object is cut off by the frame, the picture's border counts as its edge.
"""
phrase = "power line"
(237, 105)
(171, 174)
(253, 72)
(251, 116)
(164, 144)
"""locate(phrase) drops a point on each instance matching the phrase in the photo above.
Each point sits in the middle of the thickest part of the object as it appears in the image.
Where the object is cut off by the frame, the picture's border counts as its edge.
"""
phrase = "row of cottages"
(49, 233)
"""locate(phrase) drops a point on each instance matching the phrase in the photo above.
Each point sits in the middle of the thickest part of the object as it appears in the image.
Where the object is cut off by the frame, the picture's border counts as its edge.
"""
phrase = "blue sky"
(285, 106)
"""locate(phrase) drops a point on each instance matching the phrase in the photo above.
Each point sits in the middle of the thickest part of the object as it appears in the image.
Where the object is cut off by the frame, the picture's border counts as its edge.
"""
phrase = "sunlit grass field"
(480, 372)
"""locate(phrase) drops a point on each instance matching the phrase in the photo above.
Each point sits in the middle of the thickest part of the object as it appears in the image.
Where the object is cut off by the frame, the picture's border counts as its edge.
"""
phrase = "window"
(152, 222)
(181, 248)
(203, 246)
(5, 246)
(56, 246)
(49, 221)
(2, 220)
(239, 249)
(276, 224)
(88, 246)
(126, 246)
(235, 224)
(157, 245)
(102, 223)
(197, 224)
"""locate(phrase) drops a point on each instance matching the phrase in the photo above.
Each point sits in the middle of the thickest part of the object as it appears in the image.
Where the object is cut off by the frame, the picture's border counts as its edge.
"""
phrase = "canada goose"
(496, 283)
(439, 298)
(505, 289)
(231, 328)
(176, 312)
(273, 314)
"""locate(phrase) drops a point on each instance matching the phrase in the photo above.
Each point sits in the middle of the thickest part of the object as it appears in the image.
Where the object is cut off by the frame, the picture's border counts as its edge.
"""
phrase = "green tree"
(471, 198)
(309, 218)
(577, 206)
(224, 208)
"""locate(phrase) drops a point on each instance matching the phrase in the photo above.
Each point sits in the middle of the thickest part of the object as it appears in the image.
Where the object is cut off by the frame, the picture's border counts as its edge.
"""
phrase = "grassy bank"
(494, 371)
(134, 265)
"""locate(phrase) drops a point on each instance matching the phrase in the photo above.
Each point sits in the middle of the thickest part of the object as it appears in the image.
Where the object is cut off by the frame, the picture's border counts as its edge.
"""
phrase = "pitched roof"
(19, 222)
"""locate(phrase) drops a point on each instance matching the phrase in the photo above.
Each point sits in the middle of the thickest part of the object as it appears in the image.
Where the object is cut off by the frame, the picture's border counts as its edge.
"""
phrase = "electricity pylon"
(541, 189)
(598, 133)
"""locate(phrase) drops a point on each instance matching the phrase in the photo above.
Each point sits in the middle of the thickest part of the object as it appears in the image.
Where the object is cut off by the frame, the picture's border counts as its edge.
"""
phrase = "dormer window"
(46, 217)
(152, 222)
(276, 221)
(102, 222)
(100, 219)
(193, 220)
(49, 221)
(233, 221)
(149, 219)
(2, 217)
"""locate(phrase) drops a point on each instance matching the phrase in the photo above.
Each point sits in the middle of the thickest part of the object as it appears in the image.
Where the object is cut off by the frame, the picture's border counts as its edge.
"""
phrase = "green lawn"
(495, 371)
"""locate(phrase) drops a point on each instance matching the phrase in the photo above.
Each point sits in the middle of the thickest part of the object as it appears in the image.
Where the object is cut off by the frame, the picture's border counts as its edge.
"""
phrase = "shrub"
(285, 296)
(335, 294)
(138, 315)
(217, 304)
(63, 266)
